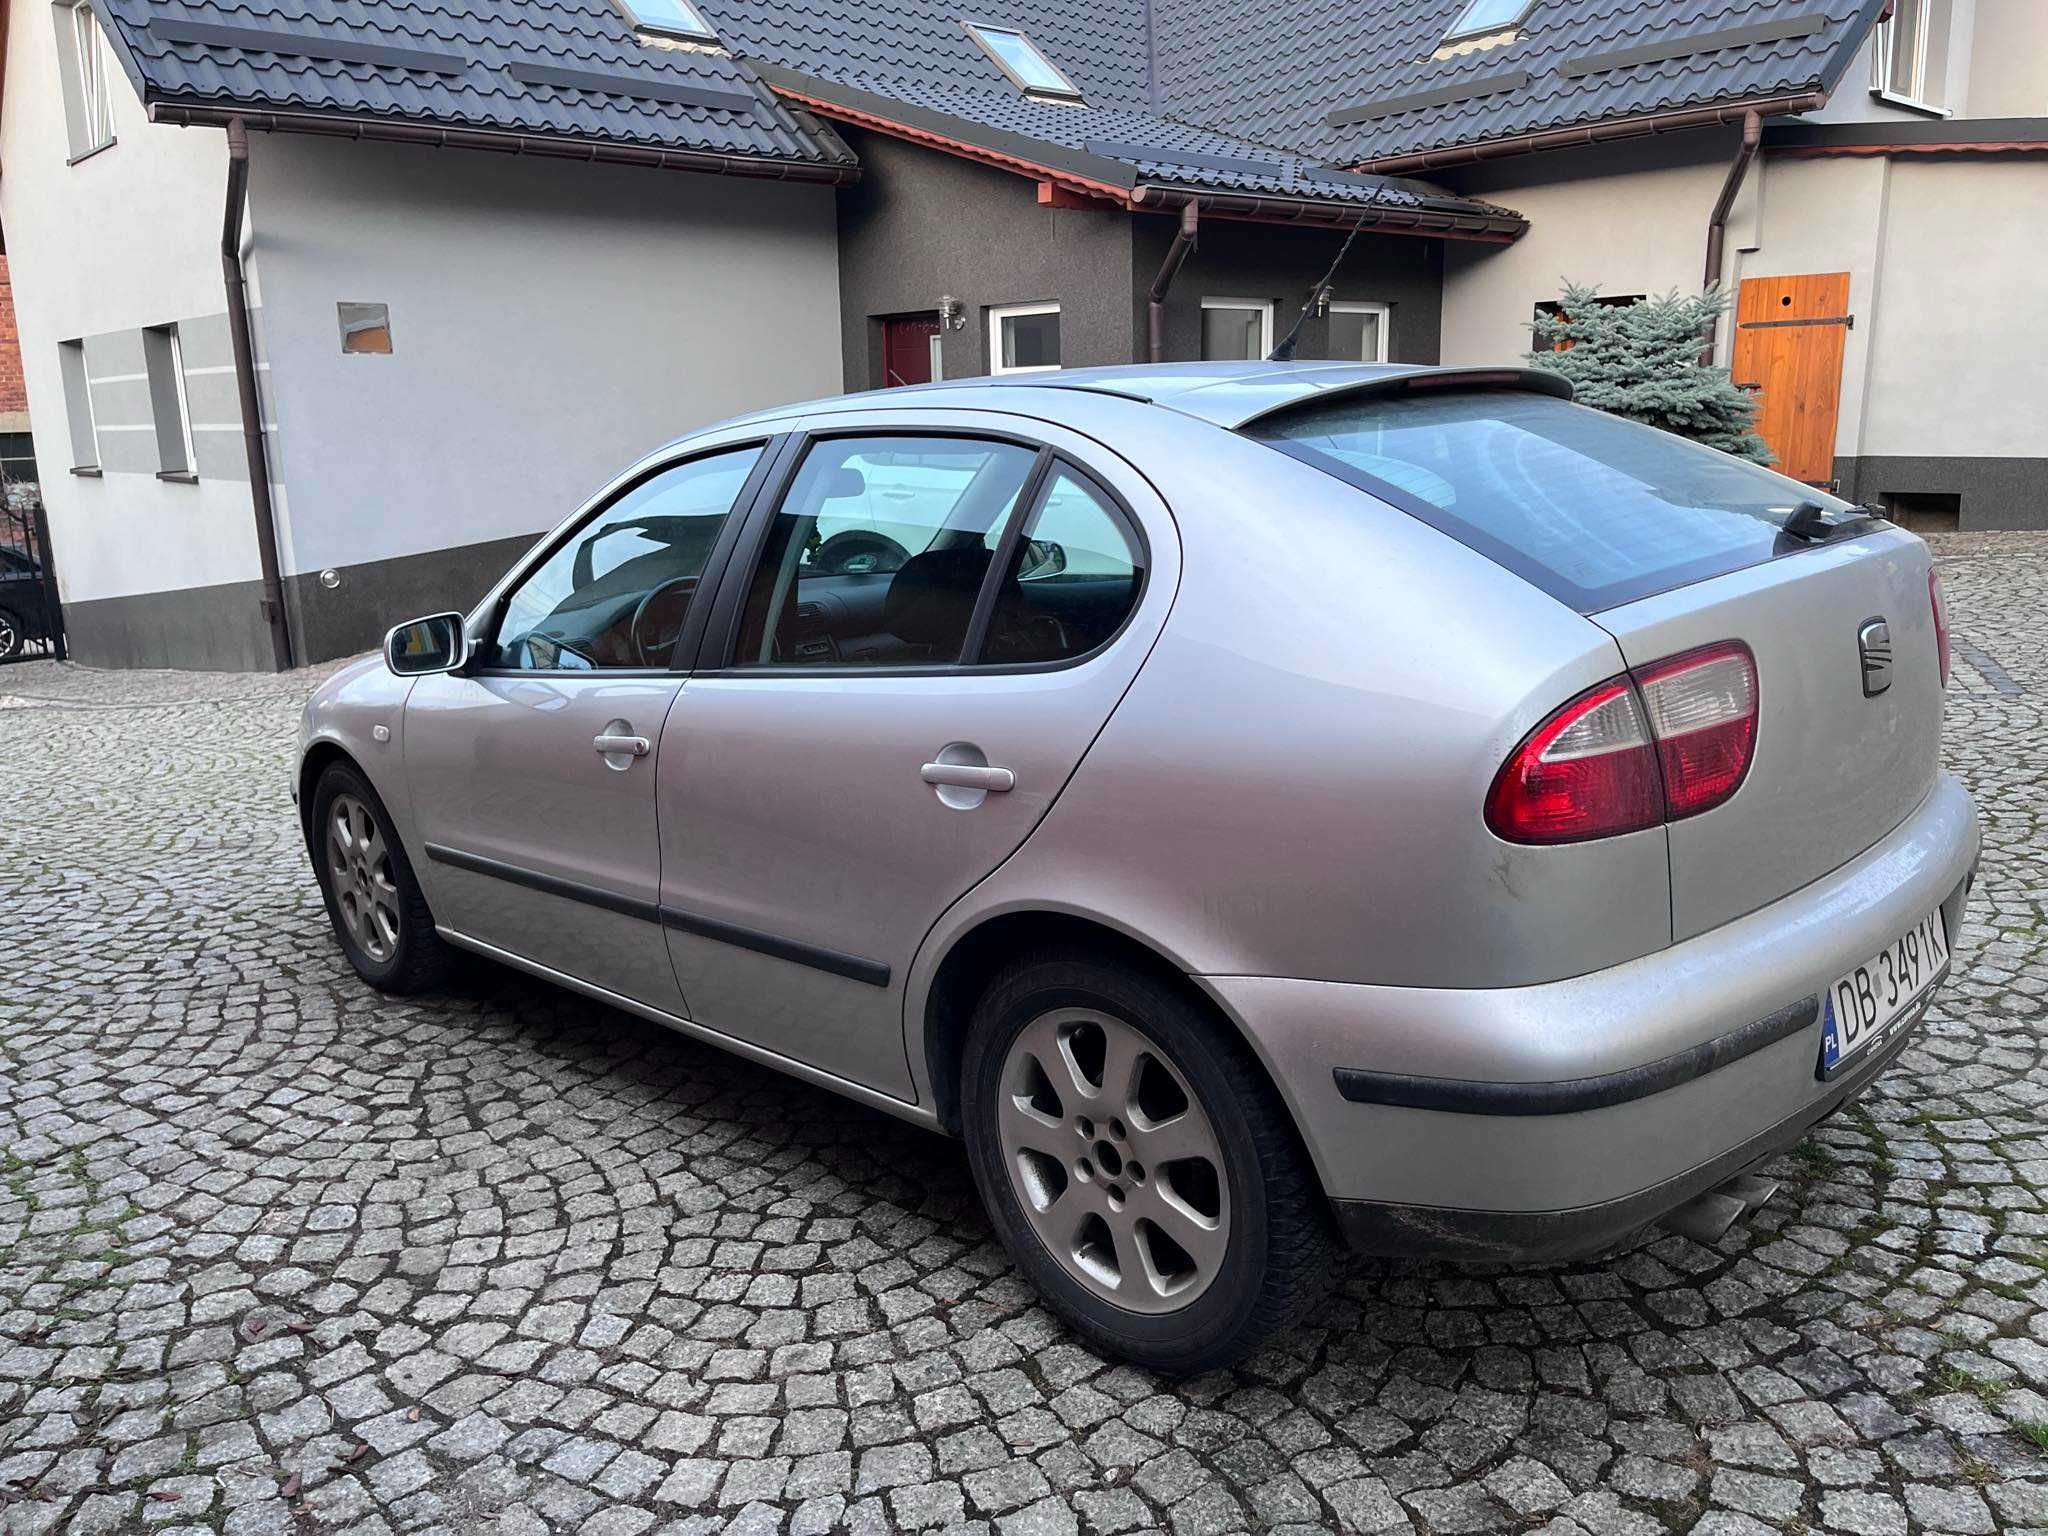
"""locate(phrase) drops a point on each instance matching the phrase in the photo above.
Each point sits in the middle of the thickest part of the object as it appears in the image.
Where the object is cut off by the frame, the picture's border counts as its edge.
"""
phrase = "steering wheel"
(658, 648)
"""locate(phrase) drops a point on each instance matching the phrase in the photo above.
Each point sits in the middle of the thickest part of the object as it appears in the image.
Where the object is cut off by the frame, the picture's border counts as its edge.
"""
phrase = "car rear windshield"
(1594, 510)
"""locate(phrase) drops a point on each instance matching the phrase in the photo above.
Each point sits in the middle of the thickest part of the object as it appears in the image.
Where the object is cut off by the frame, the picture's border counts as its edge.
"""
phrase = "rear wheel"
(378, 911)
(1138, 1165)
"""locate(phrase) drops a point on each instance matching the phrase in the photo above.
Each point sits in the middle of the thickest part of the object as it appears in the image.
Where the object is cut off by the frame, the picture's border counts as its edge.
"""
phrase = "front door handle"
(996, 781)
(635, 746)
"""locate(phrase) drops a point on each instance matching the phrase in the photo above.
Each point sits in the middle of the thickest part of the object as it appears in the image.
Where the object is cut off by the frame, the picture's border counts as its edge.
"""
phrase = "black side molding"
(870, 972)
(1464, 1096)
(852, 967)
(553, 885)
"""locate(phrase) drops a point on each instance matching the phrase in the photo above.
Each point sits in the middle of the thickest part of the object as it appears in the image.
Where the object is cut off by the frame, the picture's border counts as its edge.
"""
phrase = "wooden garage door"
(1789, 334)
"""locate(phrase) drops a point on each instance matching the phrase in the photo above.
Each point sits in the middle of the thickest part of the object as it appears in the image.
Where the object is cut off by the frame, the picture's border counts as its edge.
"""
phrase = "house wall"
(2006, 76)
(551, 321)
(1629, 217)
(13, 388)
(1237, 260)
(1942, 387)
(922, 224)
(126, 238)
(1953, 47)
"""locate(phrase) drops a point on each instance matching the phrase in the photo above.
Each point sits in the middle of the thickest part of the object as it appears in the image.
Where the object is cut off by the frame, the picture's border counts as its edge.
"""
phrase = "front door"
(910, 350)
(1789, 336)
(887, 727)
(532, 771)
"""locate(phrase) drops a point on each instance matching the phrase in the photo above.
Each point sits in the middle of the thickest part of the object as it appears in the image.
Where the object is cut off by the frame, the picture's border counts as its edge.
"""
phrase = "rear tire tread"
(422, 961)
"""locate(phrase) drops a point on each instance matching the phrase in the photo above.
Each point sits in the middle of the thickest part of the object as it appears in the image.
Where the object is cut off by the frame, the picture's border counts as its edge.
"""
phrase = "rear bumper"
(1539, 1122)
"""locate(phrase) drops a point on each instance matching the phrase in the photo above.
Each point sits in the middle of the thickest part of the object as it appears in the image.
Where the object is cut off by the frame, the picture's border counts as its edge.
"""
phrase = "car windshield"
(1595, 510)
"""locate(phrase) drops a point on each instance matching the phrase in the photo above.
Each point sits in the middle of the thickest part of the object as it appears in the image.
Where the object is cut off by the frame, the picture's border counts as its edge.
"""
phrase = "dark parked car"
(24, 612)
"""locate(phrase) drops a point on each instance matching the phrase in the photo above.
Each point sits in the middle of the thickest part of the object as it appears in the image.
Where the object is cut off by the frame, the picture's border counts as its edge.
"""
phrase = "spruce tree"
(1641, 361)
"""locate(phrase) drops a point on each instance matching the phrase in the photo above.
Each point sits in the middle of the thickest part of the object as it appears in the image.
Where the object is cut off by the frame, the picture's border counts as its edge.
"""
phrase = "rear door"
(1836, 767)
(859, 747)
(1789, 336)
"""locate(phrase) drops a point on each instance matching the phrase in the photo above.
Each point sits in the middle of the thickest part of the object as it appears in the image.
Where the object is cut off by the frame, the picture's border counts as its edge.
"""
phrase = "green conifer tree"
(1641, 361)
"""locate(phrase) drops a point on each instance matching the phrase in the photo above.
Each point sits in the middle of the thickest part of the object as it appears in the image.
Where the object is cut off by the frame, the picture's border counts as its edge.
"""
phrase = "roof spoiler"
(1421, 381)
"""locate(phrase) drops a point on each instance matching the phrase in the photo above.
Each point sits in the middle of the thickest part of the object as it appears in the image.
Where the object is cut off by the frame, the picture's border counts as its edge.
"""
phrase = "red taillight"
(1670, 741)
(1940, 621)
(1587, 771)
(1702, 709)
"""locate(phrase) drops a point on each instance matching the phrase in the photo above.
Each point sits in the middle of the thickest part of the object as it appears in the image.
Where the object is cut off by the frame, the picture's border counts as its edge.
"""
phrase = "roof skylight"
(1018, 57)
(1486, 16)
(669, 18)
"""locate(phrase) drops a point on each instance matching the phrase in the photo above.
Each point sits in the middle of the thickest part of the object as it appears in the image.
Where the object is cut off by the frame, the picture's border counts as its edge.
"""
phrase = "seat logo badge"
(1874, 640)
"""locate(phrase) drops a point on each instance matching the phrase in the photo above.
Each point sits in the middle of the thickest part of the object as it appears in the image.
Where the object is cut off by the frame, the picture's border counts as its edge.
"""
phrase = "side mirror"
(438, 643)
(1042, 557)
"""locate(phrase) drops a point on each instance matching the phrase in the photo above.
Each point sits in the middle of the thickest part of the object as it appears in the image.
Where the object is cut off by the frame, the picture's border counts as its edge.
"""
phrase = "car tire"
(13, 634)
(1175, 1306)
(373, 900)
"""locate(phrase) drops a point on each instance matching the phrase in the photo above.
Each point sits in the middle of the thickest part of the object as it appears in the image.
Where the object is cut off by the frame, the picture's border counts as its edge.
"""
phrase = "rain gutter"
(251, 400)
(1155, 297)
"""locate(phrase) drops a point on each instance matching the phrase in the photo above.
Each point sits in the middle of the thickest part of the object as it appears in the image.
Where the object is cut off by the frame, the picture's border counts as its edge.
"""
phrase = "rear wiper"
(1815, 524)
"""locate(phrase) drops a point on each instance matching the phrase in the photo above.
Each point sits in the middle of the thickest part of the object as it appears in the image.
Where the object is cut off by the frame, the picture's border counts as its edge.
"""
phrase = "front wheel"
(379, 913)
(13, 635)
(1138, 1165)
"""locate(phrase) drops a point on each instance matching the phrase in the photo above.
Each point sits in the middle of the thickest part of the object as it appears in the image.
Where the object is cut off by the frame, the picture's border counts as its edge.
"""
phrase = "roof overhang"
(1643, 125)
(1075, 178)
(213, 114)
(1974, 136)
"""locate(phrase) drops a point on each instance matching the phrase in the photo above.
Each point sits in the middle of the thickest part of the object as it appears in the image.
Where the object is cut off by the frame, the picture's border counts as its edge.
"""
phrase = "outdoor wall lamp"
(952, 313)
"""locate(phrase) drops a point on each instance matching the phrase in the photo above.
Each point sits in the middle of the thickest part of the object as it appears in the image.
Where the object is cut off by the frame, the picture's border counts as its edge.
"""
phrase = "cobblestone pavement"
(277, 1255)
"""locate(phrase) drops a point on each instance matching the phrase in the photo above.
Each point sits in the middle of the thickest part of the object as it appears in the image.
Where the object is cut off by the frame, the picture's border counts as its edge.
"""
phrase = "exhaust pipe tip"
(1706, 1218)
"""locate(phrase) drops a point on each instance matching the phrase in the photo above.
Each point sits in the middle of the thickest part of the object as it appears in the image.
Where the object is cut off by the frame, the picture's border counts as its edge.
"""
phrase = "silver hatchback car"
(1255, 806)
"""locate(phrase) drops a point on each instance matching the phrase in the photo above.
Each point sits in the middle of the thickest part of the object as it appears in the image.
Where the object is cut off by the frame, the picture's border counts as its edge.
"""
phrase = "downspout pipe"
(245, 387)
(1155, 299)
(1717, 226)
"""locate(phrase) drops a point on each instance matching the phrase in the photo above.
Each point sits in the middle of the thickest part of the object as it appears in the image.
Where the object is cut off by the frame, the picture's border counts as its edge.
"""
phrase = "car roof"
(1228, 394)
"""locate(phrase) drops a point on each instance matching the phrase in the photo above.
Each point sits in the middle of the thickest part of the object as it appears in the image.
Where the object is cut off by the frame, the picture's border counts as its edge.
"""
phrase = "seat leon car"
(1257, 807)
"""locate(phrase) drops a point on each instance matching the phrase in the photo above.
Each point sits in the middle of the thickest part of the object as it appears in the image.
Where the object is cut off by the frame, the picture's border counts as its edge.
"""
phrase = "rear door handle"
(634, 745)
(997, 781)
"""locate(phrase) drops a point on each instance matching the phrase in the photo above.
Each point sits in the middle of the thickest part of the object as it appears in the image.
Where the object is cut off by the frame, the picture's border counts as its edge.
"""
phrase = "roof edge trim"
(549, 146)
(1639, 126)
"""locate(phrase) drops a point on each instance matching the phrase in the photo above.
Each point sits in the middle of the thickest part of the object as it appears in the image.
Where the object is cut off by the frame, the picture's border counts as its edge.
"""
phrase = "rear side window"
(1592, 509)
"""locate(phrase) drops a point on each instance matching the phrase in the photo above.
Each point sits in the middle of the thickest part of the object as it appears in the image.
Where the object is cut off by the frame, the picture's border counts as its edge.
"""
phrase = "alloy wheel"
(1114, 1160)
(359, 873)
(10, 637)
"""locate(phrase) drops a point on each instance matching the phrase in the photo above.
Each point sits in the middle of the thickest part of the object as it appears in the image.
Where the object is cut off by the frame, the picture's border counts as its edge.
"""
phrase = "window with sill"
(164, 361)
(85, 440)
(87, 73)
(1023, 338)
(1909, 54)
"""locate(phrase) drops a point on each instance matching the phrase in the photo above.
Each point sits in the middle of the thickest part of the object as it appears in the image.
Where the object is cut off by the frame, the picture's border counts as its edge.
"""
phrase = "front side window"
(879, 552)
(616, 593)
(1358, 332)
(1023, 338)
(1236, 329)
(1594, 510)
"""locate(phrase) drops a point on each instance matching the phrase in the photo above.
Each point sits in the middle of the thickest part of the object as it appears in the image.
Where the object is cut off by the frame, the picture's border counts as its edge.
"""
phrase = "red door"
(910, 345)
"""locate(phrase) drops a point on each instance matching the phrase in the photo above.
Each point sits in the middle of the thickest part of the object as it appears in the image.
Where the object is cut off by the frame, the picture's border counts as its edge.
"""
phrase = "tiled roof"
(564, 68)
(1278, 71)
(1137, 147)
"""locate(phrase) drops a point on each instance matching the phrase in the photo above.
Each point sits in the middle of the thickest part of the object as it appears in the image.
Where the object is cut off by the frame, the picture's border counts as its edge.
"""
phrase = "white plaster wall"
(128, 237)
(2008, 74)
(550, 322)
(1625, 226)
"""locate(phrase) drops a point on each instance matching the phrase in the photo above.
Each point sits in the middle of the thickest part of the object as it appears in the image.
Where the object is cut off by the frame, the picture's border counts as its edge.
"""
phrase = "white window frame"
(997, 314)
(184, 403)
(1462, 28)
(1366, 307)
(1882, 38)
(1263, 306)
(96, 108)
(701, 33)
(1064, 90)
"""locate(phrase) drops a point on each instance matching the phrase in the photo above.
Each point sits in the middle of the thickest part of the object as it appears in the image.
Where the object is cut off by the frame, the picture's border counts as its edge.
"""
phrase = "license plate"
(1865, 1005)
